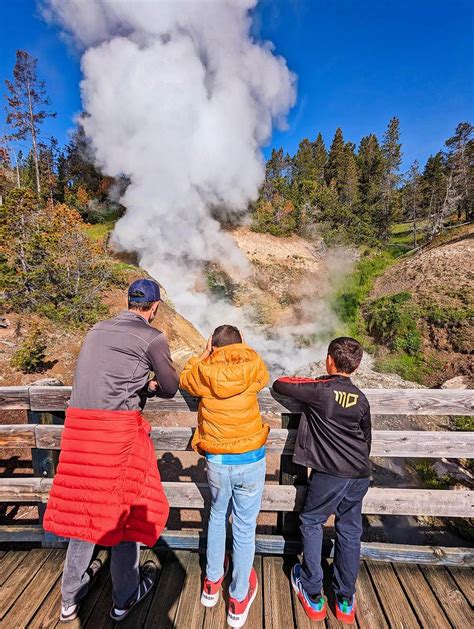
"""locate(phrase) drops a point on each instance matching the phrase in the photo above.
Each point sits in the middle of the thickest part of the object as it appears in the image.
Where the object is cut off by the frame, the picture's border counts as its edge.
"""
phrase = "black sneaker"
(148, 575)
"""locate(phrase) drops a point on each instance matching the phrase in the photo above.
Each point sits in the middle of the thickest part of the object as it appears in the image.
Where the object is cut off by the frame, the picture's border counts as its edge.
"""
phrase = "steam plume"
(179, 98)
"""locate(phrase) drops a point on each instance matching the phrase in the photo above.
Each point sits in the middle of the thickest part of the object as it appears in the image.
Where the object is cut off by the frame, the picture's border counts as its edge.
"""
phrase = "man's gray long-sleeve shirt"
(115, 361)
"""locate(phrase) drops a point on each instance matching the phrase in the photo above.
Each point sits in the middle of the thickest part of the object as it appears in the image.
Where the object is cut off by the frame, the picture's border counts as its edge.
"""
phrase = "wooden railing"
(45, 406)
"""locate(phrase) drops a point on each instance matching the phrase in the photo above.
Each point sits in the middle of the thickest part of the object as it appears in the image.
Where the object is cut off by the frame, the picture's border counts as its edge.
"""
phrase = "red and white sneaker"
(239, 610)
(211, 589)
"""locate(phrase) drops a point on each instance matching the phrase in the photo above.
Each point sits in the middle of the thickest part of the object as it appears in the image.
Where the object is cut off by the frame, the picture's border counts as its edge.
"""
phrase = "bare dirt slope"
(444, 273)
(289, 276)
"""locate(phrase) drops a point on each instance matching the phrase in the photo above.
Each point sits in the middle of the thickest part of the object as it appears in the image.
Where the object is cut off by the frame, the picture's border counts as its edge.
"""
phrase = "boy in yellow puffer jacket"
(232, 435)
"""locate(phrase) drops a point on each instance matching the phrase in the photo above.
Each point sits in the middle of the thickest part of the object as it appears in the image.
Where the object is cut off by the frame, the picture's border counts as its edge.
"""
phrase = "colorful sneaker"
(314, 606)
(239, 610)
(345, 609)
(211, 589)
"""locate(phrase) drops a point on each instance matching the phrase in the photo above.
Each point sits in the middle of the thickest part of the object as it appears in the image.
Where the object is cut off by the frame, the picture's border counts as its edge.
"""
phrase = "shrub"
(276, 217)
(392, 321)
(30, 356)
(424, 469)
(50, 264)
(463, 422)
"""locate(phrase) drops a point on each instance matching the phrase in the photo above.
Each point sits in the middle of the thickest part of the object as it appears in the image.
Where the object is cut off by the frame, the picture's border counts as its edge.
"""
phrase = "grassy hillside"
(415, 312)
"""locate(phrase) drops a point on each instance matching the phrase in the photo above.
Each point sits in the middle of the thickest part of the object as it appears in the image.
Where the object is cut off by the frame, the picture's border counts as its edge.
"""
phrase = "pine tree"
(79, 169)
(320, 157)
(336, 161)
(26, 101)
(371, 166)
(349, 188)
(434, 184)
(304, 167)
(460, 159)
(413, 196)
(392, 153)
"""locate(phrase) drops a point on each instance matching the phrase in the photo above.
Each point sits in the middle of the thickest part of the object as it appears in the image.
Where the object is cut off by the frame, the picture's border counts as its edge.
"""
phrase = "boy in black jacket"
(334, 439)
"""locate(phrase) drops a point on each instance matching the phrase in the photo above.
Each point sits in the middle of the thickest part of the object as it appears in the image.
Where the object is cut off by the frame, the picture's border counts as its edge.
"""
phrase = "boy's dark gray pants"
(124, 569)
(329, 495)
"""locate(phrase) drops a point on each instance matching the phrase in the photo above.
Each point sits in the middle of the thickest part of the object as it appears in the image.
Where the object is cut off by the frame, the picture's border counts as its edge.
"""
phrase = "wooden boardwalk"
(389, 595)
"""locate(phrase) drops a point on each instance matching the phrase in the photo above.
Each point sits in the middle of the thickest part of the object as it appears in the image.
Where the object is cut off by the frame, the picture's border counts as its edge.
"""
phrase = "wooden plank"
(9, 562)
(14, 398)
(187, 495)
(273, 545)
(100, 615)
(385, 443)
(465, 581)
(20, 489)
(49, 398)
(395, 603)
(424, 602)
(255, 617)
(278, 612)
(21, 533)
(426, 444)
(450, 596)
(19, 579)
(382, 401)
(47, 616)
(165, 601)
(190, 612)
(32, 597)
(377, 501)
(17, 436)
(368, 609)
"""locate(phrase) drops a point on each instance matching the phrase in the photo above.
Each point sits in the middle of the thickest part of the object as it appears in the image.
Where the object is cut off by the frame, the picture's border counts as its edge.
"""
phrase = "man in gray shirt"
(115, 361)
(112, 374)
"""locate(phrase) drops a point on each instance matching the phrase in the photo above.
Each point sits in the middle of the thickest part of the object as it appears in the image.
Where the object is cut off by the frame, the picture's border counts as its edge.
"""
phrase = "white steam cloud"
(180, 98)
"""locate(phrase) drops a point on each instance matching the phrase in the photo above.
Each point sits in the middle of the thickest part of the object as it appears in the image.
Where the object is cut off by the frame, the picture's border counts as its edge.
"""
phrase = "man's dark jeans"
(329, 495)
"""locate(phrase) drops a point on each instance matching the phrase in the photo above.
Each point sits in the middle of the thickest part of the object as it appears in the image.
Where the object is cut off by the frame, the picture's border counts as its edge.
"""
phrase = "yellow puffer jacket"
(229, 420)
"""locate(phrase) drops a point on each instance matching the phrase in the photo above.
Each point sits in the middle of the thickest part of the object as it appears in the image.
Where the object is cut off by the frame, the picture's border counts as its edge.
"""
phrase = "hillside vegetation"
(416, 313)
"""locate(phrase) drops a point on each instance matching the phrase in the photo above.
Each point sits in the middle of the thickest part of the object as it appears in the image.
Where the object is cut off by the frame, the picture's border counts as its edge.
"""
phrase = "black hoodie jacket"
(334, 434)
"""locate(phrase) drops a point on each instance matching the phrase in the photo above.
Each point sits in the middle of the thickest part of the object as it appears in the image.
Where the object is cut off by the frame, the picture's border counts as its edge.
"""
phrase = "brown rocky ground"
(63, 344)
(289, 276)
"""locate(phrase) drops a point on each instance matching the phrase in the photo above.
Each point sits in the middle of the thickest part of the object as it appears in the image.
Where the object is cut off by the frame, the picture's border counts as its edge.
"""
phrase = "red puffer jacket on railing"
(107, 488)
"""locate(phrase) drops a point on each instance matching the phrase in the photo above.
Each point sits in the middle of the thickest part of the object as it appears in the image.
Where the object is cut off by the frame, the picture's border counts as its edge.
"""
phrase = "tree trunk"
(35, 145)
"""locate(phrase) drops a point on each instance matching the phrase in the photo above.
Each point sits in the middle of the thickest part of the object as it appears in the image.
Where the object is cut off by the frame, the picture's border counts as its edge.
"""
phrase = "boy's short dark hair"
(346, 353)
(226, 335)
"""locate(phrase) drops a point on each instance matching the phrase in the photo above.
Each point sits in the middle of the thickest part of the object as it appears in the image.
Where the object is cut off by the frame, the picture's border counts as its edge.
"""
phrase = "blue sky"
(358, 63)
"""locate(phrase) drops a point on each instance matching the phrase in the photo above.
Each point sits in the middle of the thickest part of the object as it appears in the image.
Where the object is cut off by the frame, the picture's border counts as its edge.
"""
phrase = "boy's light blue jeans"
(240, 486)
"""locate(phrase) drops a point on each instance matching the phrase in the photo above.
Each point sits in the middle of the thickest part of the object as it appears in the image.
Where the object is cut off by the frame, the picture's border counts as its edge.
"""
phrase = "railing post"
(44, 462)
(290, 474)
